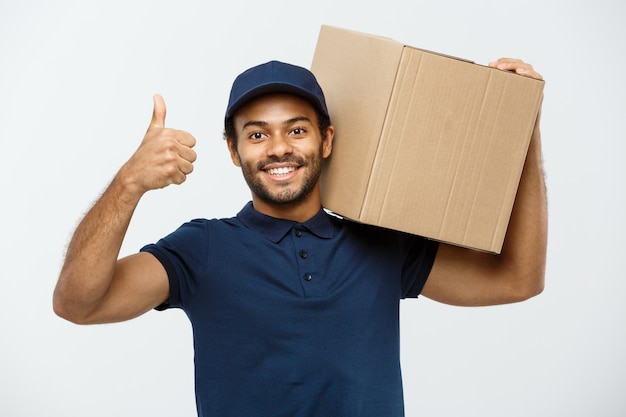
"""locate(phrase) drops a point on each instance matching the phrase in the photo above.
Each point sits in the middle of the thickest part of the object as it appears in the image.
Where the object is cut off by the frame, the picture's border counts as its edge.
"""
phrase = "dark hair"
(323, 122)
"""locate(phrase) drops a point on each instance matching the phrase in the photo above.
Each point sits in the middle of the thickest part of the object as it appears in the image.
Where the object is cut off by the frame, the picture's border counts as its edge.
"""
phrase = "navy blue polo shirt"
(294, 319)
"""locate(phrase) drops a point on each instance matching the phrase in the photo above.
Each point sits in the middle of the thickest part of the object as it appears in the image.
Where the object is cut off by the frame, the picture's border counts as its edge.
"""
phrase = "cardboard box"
(425, 143)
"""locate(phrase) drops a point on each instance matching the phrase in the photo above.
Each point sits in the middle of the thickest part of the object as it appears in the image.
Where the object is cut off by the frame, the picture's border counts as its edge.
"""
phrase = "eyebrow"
(260, 123)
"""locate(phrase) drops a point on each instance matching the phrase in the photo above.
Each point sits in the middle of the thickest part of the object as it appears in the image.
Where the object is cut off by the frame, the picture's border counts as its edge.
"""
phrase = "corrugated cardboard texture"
(425, 143)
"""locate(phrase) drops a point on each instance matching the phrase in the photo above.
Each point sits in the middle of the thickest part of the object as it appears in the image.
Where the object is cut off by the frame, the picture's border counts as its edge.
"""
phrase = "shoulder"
(379, 236)
(196, 233)
(202, 225)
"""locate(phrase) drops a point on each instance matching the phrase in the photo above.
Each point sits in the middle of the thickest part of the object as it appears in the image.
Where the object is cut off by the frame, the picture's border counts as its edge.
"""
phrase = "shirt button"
(308, 277)
(303, 254)
(298, 233)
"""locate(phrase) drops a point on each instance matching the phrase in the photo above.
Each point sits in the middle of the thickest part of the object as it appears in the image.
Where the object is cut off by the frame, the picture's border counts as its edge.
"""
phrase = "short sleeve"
(420, 257)
(183, 254)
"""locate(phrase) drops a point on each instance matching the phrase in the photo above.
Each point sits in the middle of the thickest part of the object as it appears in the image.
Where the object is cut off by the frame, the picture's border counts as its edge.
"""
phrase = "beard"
(287, 194)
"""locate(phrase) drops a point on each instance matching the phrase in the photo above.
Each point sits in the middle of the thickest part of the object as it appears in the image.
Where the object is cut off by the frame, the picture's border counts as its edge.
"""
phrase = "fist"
(165, 156)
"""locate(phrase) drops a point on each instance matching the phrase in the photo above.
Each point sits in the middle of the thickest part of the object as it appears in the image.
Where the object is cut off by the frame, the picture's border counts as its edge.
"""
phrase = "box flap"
(364, 84)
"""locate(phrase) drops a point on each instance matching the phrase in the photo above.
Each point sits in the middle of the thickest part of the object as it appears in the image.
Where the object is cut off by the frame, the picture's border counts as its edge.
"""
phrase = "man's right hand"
(94, 286)
(164, 157)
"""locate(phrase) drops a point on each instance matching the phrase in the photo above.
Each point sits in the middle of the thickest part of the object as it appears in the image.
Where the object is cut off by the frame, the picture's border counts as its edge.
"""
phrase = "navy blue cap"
(275, 77)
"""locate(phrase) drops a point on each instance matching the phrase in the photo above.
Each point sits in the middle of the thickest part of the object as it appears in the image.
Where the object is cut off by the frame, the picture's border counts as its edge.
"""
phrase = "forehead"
(272, 108)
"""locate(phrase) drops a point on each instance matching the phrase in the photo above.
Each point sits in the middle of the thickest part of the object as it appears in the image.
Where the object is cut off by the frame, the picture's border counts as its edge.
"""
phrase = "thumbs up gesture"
(164, 157)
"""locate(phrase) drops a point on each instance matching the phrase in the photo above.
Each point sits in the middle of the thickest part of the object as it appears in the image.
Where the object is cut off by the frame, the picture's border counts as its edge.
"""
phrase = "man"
(294, 311)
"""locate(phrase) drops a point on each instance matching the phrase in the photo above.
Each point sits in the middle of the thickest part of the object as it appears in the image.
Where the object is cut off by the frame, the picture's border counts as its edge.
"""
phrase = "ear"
(234, 155)
(327, 141)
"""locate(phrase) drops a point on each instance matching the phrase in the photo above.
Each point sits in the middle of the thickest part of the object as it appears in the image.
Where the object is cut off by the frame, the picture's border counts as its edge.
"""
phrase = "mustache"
(276, 160)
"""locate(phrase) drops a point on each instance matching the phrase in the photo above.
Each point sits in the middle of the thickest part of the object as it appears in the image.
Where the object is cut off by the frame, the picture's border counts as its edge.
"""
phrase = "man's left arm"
(471, 278)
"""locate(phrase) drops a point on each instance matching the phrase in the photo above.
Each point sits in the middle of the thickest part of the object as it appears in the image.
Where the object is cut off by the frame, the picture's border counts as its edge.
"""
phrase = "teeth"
(281, 170)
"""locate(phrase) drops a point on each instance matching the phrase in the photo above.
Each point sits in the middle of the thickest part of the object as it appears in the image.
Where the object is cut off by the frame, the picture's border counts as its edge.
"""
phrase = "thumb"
(158, 114)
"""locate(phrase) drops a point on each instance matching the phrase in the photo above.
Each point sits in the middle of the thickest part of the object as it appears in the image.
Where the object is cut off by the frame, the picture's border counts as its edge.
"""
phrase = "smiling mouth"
(281, 171)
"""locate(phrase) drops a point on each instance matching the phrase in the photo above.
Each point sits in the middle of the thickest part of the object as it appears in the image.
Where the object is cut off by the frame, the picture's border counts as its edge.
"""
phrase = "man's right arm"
(94, 286)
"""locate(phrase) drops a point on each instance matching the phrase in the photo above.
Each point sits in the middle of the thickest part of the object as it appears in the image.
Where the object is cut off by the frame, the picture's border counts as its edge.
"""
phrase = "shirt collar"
(276, 229)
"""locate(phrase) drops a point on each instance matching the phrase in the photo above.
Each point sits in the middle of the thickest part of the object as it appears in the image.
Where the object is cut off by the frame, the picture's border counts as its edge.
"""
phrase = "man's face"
(280, 149)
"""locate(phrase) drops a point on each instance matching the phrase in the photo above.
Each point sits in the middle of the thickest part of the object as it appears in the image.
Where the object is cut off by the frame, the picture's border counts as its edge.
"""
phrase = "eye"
(256, 136)
(298, 131)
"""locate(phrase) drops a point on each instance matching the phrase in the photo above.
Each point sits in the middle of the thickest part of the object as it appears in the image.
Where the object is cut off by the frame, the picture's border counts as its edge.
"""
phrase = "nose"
(279, 145)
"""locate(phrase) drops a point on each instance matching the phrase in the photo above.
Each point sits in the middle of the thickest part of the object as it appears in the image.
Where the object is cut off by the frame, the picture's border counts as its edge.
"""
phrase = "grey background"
(76, 86)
